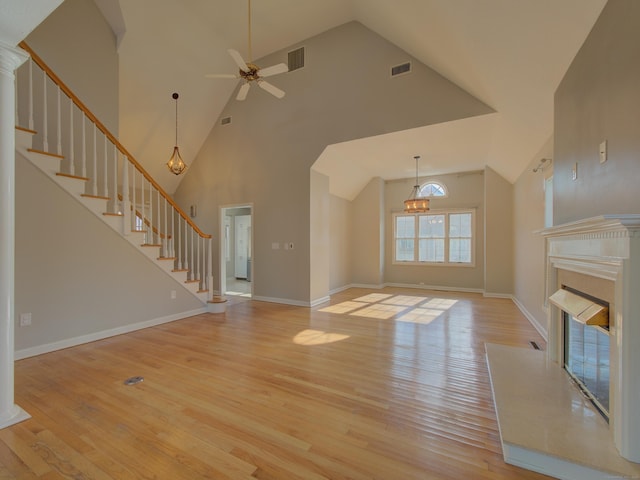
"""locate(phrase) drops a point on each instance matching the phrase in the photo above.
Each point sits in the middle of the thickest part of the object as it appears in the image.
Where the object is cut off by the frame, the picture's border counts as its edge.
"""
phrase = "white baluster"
(143, 210)
(151, 232)
(72, 161)
(30, 106)
(45, 109)
(17, 97)
(94, 180)
(133, 195)
(84, 146)
(105, 191)
(166, 229)
(173, 232)
(158, 217)
(180, 255)
(59, 122)
(193, 265)
(126, 205)
(114, 192)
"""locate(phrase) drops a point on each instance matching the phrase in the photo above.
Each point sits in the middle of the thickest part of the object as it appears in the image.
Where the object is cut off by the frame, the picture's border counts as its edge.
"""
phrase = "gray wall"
(75, 276)
(599, 99)
(341, 250)
(80, 47)
(367, 234)
(265, 154)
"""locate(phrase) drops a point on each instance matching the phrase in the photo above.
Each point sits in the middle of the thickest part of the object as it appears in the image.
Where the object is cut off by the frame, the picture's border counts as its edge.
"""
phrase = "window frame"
(446, 263)
(443, 187)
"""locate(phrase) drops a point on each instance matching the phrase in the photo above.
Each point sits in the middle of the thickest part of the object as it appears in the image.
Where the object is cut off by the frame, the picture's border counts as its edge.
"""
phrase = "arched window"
(433, 189)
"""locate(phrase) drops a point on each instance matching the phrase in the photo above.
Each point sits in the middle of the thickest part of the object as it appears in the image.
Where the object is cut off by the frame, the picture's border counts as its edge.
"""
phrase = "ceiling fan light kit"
(250, 72)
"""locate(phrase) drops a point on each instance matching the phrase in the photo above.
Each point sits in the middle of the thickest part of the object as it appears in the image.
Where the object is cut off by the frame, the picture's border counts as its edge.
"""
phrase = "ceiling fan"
(250, 72)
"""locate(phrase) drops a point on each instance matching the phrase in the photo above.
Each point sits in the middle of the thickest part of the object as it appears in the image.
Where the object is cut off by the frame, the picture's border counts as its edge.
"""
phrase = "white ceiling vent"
(401, 69)
(296, 59)
(225, 121)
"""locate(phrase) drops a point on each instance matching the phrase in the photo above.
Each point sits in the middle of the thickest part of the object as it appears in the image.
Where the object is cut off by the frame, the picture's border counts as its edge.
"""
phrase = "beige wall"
(341, 249)
(597, 100)
(80, 47)
(367, 235)
(319, 244)
(498, 232)
(264, 156)
(466, 190)
(529, 246)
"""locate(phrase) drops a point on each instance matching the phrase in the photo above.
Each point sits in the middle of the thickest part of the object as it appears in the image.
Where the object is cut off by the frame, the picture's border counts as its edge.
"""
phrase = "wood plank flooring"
(385, 384)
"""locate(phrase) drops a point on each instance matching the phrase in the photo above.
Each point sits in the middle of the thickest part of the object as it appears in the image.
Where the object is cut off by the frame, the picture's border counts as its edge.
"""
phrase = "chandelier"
(415, 203)
(175, 164)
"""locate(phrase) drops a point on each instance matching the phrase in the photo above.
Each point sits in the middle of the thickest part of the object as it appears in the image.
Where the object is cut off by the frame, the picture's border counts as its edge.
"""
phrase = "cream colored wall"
(498, 231)
(80, 47)
(367, 235)
(264, 156)
(466, 190)
(341, 250)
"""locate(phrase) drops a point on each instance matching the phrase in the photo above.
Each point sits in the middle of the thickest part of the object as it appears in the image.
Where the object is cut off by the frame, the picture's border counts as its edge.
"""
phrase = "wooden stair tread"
(41, 152)
(203, 291)
(150, 245)
(110, 214)
(86, 195)
(166, 258)
(192, 281)
(180, 270)
(25, 129)
(68, 175)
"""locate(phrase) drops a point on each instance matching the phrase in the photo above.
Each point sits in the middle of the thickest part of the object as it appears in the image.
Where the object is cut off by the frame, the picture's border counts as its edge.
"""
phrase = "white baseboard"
(532, 320)
(439, 288)
(497, 295)
(319, 301)
(112, 332)
(284, 301)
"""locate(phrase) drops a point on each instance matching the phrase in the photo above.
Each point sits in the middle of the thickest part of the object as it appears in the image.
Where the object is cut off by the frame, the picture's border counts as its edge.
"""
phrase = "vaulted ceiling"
(510, 54)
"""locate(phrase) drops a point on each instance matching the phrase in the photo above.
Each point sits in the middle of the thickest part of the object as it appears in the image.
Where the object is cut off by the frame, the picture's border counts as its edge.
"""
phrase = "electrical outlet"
(603, 152)
(574, 171)
(25, 319)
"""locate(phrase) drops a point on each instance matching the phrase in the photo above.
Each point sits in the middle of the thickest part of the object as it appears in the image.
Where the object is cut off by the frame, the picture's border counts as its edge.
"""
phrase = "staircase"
(63, 139)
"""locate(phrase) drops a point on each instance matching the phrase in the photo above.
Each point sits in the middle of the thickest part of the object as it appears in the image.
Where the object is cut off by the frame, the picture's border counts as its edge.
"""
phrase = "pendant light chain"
(249, 22)
(175, 96)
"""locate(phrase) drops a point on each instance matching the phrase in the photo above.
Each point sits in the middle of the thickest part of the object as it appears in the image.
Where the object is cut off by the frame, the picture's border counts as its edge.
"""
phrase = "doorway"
(236, 266)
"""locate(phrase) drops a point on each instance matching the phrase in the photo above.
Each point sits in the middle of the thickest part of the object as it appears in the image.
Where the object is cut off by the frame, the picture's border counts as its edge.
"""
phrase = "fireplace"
(598, 260)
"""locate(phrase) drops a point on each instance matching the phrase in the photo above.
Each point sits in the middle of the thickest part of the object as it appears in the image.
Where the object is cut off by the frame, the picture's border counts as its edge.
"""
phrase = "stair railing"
(56, 116)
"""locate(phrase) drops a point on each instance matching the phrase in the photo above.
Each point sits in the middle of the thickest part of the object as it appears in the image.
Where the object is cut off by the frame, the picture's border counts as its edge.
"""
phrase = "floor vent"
(296, 59)
(133, 380)
(225, 121)
(401, 69)
(534, 345)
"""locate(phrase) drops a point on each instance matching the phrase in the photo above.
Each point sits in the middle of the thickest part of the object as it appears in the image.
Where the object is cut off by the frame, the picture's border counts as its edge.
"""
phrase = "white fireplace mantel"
(605, 247)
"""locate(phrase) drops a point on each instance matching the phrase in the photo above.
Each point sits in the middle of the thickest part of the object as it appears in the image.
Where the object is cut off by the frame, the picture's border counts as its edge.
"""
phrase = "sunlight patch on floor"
(344, 307)
(317, 337)
(420, 315)
(411, 308)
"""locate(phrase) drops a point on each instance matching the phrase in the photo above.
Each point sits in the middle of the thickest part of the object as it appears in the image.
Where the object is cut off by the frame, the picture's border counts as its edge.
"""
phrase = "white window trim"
(440, 184)
(445, 212)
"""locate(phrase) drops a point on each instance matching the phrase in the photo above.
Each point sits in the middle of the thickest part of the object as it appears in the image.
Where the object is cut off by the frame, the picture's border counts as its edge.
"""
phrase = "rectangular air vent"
(296, 59)
(400, 69)
(225, 121)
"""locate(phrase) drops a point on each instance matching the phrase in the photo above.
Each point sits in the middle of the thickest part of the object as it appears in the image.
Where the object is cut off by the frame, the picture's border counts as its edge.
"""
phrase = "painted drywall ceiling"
(510, 54)
(18, 18)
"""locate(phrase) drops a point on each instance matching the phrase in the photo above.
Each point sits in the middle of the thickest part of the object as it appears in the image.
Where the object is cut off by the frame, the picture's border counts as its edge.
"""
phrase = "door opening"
(236, 246)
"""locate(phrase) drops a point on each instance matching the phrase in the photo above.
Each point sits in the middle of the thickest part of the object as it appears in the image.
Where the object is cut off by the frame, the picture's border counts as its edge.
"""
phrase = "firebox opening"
(586, 345)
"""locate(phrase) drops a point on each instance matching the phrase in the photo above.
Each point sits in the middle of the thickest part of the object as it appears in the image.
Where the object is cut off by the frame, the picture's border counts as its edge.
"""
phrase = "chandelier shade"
(175, 164)
(415, 203)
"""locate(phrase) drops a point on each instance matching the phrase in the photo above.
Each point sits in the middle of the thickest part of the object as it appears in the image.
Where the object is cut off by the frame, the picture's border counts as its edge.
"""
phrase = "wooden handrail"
(108, 134)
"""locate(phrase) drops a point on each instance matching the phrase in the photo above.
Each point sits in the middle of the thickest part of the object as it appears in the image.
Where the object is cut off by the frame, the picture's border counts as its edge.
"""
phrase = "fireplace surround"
(601, 257)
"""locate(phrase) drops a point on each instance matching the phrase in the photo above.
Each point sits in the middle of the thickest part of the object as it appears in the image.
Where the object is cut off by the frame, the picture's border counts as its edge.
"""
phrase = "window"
(433, 189)
(444, 238)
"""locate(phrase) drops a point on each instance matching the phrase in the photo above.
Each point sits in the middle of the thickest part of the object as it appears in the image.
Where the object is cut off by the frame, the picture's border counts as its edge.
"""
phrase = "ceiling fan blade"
(242, 93)
(275, 91)
(221, 75)
(238, 59)
(273, 70)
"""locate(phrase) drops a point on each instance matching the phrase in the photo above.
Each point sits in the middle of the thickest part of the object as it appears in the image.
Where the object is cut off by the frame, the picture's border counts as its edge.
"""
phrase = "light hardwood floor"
(386, 384)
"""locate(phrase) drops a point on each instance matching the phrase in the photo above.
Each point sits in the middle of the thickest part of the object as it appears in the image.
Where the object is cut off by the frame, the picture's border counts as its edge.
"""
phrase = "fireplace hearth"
(600, 257)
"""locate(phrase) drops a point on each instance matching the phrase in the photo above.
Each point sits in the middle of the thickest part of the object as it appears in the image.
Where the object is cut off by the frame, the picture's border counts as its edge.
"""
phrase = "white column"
(10, 59)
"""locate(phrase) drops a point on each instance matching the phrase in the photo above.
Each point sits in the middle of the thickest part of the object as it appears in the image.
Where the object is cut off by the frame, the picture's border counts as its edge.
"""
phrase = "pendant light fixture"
(415, 203)
(175, 164)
